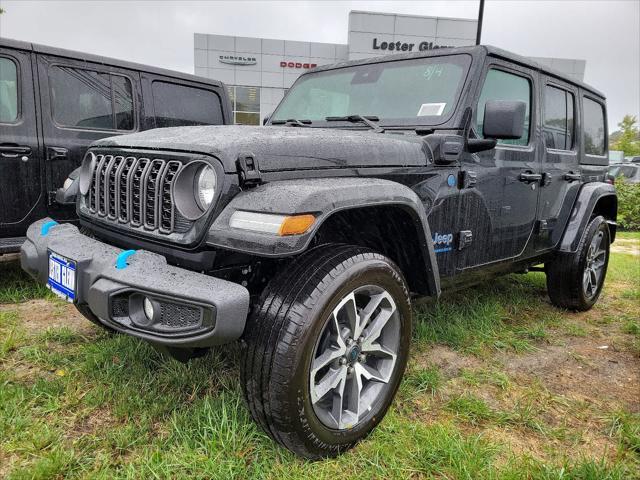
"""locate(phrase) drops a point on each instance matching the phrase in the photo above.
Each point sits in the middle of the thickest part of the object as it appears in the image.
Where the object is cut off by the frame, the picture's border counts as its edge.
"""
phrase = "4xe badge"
(442, 242)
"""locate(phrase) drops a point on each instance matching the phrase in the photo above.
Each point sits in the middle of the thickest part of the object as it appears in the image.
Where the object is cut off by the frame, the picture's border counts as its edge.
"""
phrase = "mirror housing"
(444, 149)
(503, 119)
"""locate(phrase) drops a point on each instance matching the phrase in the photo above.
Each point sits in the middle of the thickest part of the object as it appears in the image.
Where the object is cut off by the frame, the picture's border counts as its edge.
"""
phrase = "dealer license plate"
(62, 276)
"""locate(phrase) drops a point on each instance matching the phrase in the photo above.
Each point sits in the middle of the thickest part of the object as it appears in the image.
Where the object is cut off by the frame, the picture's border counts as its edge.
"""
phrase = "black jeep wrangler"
(374, 182)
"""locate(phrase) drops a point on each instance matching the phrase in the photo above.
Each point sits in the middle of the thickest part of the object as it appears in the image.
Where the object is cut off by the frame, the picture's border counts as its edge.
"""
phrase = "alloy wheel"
(355, 357)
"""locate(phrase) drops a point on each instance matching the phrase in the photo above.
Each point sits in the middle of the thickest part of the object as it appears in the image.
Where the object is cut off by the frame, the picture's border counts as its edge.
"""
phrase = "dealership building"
(259, 71)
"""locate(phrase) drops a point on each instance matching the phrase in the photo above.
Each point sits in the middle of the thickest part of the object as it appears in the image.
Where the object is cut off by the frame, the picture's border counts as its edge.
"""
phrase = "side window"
(593, 126)
(178, 105)
(501, 85)
(88, 99)
(8, 91)
(558, 118)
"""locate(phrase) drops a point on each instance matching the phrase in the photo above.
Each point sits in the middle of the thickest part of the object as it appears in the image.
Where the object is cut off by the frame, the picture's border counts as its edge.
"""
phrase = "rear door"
(561, 178)
(20, 151)
(81, 102)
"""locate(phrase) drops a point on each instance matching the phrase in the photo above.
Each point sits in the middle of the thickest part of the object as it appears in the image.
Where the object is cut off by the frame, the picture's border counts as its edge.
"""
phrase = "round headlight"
(205, 187)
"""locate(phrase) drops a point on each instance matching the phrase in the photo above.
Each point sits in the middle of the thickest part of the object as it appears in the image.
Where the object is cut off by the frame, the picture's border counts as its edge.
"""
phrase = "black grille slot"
(112, 185)
(152, 191)
(178, 316)
(167, 209)
(102, 191)
(123, 189)
(137, 192)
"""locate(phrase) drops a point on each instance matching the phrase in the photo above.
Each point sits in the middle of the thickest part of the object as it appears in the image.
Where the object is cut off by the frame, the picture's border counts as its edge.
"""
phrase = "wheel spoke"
(353, 390)
(330, 381)
(348, 308)
(586, 278)
(373, 331)
(370, 373)
(328, 356)
(369, 309)
(377, 350)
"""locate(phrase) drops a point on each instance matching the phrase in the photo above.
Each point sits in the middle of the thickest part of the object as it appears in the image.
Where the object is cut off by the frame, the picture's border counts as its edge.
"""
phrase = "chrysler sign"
(237, 60)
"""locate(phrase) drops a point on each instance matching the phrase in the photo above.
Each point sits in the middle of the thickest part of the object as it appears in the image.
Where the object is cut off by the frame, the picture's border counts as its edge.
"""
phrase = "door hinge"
(543, 226)
(248, 170)
(465, 239)
(51, 197)
(57, 153)
(468, 179)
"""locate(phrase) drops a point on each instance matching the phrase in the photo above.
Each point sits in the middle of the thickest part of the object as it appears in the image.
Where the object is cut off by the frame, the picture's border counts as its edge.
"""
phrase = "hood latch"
(248, 170)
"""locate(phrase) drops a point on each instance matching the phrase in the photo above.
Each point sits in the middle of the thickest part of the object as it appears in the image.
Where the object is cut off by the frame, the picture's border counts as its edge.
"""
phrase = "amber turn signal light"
(296, 224)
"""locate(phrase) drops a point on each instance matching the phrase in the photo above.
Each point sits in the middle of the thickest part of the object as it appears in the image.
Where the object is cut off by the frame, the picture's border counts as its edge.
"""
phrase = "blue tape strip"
(121, 261)
(46, 226)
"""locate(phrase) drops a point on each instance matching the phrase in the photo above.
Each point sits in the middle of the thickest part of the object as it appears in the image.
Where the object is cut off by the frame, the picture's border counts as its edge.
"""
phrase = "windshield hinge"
(248, 170)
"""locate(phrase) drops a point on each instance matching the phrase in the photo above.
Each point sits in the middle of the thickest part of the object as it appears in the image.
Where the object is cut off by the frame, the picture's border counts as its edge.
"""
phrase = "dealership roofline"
(107, 61)
(368, 12)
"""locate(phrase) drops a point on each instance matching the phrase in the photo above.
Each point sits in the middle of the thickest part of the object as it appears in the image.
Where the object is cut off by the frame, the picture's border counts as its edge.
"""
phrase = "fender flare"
(588, 197)
(323, 198)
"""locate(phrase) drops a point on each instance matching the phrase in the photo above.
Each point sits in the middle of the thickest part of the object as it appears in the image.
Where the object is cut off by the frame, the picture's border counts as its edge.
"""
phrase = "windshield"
(416, 91)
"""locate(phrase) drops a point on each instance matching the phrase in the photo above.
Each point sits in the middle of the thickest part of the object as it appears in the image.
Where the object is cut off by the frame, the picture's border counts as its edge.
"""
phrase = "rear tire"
(575, 280)
(305, 320)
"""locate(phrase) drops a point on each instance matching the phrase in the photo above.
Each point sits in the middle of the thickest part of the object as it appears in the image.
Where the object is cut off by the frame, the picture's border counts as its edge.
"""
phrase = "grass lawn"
(500, 385)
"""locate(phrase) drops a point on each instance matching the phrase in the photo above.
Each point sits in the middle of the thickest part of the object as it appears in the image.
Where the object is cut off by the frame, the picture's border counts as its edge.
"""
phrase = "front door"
(81, 103)
(561, 179)
(20, 176)
(499, 194)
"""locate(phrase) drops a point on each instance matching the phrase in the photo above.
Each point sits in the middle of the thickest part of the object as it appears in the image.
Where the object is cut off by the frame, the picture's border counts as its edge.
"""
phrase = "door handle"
(572, 177)
(14, 150)
(57, 153)
(529, 177)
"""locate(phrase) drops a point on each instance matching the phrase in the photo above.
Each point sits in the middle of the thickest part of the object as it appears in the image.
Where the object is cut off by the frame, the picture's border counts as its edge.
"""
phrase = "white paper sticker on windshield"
(431, 109)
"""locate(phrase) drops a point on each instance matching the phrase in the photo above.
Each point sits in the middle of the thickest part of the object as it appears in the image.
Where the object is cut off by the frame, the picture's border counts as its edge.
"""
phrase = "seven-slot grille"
(135, 191)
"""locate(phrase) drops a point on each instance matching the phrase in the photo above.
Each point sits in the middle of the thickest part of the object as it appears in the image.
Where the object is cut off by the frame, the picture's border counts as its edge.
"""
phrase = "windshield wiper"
(292, 122)
(368, 120)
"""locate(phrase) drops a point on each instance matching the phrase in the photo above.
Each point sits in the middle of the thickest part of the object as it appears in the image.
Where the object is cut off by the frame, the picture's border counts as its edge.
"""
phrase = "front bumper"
(190, 309)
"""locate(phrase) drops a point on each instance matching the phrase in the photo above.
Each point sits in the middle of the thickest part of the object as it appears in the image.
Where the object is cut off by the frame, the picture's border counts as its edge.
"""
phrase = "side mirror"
(503, 119)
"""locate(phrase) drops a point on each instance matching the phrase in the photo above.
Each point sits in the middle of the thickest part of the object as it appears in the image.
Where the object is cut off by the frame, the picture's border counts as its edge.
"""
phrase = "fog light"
(148, 308)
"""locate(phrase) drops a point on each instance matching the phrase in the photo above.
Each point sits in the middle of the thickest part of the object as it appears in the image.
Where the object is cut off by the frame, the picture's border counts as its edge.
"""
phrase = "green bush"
(628, 204)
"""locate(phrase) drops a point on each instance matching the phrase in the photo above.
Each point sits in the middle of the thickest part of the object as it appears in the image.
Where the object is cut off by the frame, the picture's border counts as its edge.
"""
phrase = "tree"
(628, 140)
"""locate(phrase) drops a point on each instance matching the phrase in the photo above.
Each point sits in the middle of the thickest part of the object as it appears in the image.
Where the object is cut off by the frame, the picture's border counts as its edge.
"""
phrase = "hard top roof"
(87, 57)
(471, 50)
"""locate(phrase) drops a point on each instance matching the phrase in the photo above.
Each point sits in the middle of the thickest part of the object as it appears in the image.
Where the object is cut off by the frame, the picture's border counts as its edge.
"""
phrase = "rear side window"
(179, 105)
(593, 127)
(558, 118)
(501, 85)
(88, 99)
(8, 91)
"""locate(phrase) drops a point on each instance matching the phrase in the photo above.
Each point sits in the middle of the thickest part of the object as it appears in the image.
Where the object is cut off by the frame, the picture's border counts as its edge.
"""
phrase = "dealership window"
(178, 105)
(88, 99)
(246, 105)
(501, 85)
(558, 118)
(8, 91)
(593, 127)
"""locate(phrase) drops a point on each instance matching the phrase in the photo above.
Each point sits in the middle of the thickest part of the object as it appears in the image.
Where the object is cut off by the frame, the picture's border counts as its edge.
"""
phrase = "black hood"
(283, 148)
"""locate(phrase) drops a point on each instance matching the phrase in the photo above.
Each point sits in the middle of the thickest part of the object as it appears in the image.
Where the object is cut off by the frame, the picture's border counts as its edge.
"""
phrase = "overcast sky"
(604, 33)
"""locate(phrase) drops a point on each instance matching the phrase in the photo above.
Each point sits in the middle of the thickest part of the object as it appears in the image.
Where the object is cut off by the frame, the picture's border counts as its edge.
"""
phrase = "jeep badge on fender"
(374, 182)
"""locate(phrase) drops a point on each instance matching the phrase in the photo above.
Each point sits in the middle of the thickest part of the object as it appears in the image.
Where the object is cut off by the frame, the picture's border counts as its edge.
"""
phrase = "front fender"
(590, 196)
(323, 198)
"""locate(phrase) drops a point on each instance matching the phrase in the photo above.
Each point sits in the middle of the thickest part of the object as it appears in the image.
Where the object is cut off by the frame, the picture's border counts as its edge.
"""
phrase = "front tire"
(575, 280)
(323, 356)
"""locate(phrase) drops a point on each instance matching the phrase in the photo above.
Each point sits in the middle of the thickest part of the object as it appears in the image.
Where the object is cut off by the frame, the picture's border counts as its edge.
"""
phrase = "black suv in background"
(54, 103)
(375, 182)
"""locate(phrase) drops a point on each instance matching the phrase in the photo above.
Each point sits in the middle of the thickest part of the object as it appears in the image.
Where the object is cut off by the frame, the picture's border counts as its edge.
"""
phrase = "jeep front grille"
(136, 192)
